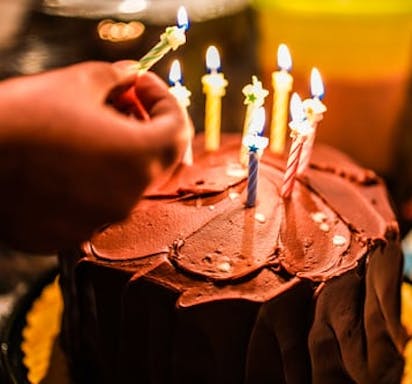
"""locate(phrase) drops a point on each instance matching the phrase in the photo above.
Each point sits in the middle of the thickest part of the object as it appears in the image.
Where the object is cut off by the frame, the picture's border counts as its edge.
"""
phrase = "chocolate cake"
(196, 288)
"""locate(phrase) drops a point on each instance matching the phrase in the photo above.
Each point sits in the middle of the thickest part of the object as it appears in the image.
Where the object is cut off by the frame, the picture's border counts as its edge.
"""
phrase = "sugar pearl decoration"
(224, 267)
(233, 195)
(339, 240)
(324, 227)
(319, 217)
(260, 217)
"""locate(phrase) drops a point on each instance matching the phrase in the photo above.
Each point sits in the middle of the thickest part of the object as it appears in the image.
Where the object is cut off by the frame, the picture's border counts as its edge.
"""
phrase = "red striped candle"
(314, 110)
(301, 129)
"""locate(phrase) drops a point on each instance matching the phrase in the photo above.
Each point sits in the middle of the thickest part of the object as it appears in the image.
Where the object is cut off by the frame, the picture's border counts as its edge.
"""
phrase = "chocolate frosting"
(301, 275)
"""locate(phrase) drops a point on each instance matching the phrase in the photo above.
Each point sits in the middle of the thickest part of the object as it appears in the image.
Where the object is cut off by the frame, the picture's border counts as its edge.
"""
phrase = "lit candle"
(314, 110)
(255, 143)
(172, 38)
(301, 129)
(182, 95)
(214, 85)
(282, 83)
(254, 98)
(179, 91)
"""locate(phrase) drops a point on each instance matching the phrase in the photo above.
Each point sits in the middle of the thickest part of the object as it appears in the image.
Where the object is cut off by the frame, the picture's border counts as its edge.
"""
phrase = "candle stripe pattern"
(252, 178)
(172, 38)
(292, 166)
(153, 56)
(306, 154)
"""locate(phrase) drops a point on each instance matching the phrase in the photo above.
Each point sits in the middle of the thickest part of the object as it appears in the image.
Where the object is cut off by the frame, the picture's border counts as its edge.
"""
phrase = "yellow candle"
(282, 83)
(214, 85)
(182, 95)
(254, 98)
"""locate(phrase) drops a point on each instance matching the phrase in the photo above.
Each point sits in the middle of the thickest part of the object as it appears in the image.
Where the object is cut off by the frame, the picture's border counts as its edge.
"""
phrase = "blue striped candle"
(252, 177)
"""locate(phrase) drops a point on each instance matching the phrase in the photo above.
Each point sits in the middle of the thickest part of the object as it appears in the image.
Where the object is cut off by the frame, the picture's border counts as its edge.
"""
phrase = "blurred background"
(363, 49)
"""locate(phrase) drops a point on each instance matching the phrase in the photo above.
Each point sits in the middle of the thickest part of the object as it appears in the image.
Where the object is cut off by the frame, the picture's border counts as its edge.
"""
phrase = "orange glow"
(119, 31)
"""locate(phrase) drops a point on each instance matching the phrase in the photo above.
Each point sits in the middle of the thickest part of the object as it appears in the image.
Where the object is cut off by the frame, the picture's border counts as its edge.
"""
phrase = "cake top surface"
(195, 227)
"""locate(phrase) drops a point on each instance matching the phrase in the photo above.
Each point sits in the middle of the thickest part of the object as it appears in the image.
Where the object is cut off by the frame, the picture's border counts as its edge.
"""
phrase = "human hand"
(69, 161)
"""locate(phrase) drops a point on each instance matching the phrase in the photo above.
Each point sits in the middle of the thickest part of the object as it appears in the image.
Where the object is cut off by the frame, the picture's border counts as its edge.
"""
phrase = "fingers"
(97, 80)
(154, 94)
(163, 136)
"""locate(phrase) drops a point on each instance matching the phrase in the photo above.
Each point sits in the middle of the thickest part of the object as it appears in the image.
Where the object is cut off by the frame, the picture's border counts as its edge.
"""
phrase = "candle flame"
(182, 19)
(212, 58)
(316, 84)
(258, 121)
(296, 108)
(253, 140)
(175, 74)
(284, 57)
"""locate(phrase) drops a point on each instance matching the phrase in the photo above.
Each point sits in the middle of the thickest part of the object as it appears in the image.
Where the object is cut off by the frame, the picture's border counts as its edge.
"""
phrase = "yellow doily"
(43, 326)
(39, 335)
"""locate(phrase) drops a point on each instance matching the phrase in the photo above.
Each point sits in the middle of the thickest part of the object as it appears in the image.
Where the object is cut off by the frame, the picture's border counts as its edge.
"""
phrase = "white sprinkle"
(260, 217)
(324, 227)
(233, 195)
(224, 267)
(211, 207)
(339, 240)
(319, 217)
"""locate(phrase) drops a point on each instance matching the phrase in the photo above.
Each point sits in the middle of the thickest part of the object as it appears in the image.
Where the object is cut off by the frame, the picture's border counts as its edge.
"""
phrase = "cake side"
(193, 287)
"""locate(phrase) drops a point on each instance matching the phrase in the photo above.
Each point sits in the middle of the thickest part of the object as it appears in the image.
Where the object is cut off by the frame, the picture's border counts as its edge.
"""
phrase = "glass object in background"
(363, 50)
(66, 31)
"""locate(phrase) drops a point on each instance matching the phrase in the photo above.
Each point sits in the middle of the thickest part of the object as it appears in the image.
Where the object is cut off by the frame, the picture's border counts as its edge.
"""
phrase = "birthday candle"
(214, 85)
(256, 144)
(301, 129)
(282, 83)
(314, 110)
(182, 95)
(254, 98)
(172, 38)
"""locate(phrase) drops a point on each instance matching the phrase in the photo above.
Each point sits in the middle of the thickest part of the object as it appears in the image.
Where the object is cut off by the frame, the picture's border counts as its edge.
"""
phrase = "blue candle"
(255, 143)
(252, 177)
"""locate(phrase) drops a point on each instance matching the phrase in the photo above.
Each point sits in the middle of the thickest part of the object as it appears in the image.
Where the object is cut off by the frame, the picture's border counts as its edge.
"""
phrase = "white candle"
(182, 95)
(301, 130)
(255, 144)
